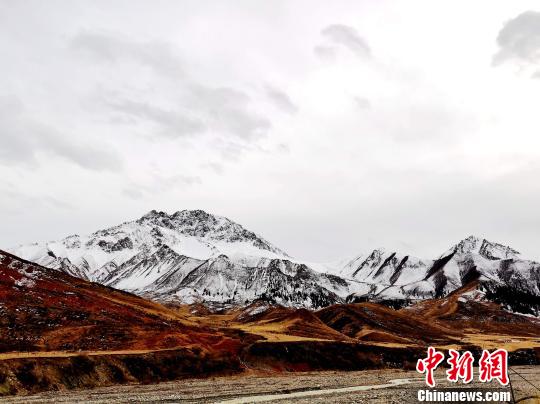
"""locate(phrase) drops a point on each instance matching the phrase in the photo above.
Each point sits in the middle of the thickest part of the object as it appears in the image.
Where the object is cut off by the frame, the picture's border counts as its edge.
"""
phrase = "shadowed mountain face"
(189, 257)
(390, 276)
(190, 233)
(195, 257)
(221, 280)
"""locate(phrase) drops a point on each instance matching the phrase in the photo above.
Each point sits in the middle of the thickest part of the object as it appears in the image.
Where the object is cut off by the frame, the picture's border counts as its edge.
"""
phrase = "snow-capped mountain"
(189, 256)
(483, 247)
(383, 275)
(191, 233)
(193, 256)
(222, 280)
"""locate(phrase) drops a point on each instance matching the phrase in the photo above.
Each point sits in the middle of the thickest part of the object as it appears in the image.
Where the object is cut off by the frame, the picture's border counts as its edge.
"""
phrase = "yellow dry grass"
(494, 341)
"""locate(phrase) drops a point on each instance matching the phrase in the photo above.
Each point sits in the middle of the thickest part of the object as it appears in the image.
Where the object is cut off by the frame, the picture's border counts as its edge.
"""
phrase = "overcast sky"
(329, 127)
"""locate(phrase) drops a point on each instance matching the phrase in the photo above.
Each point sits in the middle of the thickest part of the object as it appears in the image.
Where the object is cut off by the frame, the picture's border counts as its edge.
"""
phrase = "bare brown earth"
(322, 387)
(58, 332)
(61, 332)
(47, 310)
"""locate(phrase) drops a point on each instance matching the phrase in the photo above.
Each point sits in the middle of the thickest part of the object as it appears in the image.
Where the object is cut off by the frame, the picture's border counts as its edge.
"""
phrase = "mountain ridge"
(192, 256)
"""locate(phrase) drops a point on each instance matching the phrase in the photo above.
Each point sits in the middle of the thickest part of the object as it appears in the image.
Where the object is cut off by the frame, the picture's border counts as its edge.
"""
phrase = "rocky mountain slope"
(194, 256)
(390, 276)
(192, 233)
(188, 257)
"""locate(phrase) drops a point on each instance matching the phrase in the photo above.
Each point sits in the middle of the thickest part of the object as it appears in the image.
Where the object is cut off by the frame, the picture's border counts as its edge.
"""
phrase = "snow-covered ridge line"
(388, 275)
(188, 256)
(195, 234)
(193, 256)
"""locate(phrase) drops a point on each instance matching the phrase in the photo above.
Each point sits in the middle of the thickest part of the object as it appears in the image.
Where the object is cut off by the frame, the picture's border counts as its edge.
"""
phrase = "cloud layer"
(23, 139)
(348, 37)
(519, 39)
(357, 124)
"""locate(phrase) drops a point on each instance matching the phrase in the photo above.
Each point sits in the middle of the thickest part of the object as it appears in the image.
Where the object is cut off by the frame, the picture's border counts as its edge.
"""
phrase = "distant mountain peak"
(183, 218)
(473, 238)
(185, 213)
(154, 241)
(195, 213)
(201, 224)
(196, 256)
(486, 248)
(153, 213)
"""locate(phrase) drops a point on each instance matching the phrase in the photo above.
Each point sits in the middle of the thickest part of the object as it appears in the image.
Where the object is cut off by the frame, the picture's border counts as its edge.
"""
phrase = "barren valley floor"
(308, 387)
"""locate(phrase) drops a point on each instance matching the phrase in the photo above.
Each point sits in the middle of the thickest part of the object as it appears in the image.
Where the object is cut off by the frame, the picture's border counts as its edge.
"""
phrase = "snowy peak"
(385, 268)
(194, 256)
(222, 281)
(203, 225)
(391, 276)
(483, 247)
(134, 253)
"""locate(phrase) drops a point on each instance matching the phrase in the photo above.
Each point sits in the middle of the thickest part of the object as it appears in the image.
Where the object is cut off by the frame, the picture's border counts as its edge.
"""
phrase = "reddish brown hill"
(57, 332)
(463, 318)
(273, 322)
(47, 310)
(371, 322)
(479, 321)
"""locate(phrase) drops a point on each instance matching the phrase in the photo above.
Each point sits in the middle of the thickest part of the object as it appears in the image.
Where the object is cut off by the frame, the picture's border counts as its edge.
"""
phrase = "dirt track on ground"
(244, 387)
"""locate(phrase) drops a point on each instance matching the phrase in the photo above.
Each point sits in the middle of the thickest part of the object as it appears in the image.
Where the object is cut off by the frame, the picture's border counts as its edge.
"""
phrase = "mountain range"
(192, 256)
(62, 332)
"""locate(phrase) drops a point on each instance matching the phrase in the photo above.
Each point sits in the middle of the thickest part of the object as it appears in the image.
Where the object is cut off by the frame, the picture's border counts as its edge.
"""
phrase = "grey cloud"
(326, 53)
(18, 198)
(283, 148)
(157, 55)
(85, 156)
(172, 123)
(215, 167)
(189, 108)
(199, 110)
(179, 179)
(435, 124)
(281, 100)
(133, 193)
(160, 184)
(279, 148)
(228, 110)
(230, 150)
(23, 139)
(348, 37)
(362, 102)
(519, 39)
(16, 144)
